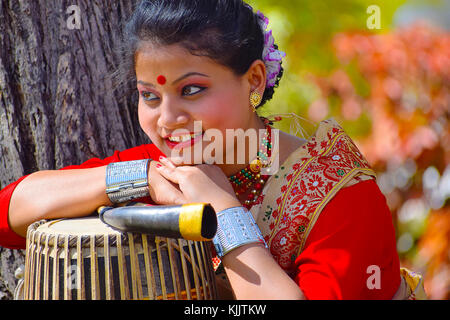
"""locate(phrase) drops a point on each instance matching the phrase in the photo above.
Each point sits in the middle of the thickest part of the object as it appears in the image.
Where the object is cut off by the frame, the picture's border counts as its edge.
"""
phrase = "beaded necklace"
(251, 175)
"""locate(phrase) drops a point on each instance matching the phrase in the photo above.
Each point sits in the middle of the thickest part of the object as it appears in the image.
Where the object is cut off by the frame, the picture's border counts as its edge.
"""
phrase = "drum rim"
(41, 238)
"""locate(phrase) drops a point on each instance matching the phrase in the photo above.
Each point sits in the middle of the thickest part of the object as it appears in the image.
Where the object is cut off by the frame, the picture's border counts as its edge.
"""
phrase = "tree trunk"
(57, 108)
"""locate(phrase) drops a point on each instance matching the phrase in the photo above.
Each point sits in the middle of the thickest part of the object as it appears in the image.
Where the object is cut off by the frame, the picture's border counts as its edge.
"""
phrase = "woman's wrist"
(236, 228)
(225, 204)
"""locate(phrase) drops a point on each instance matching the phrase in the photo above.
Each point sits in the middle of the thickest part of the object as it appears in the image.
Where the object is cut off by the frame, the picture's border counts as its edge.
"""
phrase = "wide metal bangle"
(126, 181)
(236, 227)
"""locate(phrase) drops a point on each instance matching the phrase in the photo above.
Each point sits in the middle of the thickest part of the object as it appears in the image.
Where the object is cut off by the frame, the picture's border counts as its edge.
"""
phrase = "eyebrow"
(187, 75)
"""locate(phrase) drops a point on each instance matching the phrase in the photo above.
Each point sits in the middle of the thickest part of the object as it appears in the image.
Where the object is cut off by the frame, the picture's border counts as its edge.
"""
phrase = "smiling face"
(178, 89)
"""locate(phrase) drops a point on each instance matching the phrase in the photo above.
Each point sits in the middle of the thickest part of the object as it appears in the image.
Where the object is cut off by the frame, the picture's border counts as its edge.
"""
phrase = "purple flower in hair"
(272, 57)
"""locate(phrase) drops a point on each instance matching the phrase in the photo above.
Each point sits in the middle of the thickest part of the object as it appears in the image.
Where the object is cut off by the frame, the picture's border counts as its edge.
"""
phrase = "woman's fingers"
(167, 162)
(162, 190)
(168, 171)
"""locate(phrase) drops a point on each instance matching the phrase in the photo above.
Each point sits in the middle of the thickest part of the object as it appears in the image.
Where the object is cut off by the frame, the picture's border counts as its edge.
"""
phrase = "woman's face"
(178, 90)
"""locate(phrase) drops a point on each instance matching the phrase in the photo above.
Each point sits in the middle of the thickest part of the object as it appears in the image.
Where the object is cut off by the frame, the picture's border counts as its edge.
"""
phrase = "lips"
(182, 141)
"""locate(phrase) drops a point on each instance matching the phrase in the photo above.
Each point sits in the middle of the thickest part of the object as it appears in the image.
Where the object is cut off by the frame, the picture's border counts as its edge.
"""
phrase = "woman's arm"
(57, 194)
(74, 193)
(255, 275)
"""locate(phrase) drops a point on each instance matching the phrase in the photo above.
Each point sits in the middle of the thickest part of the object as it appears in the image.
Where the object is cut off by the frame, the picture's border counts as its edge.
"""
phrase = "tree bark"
(57, 105)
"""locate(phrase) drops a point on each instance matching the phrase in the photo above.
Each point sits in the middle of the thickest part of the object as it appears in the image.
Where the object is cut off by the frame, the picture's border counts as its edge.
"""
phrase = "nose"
(172, 115)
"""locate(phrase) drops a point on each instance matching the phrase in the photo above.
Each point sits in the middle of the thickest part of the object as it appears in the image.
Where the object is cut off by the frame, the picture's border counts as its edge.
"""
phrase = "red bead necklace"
(251, 175)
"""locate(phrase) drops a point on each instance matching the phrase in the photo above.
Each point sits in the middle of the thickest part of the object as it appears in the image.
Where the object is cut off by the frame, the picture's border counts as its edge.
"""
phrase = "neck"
(232, 169)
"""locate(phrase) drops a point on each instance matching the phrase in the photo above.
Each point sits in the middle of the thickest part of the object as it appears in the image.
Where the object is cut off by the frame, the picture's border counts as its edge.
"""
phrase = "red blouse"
(353, 232)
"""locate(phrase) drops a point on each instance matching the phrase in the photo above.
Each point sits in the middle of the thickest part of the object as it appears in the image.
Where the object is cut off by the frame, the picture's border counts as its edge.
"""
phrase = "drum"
(85, 259)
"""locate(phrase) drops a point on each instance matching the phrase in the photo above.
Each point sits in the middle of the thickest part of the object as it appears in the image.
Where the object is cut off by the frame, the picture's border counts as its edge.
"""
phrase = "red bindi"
(161, 80)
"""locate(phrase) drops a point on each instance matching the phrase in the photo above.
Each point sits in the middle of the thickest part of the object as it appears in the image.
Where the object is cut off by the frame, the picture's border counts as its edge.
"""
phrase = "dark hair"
(226, 31)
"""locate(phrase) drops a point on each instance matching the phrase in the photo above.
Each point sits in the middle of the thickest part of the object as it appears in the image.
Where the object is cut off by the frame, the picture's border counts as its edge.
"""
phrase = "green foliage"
(304, 30)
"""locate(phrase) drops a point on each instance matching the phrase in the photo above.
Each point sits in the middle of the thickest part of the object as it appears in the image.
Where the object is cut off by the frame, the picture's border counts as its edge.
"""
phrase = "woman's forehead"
(167, 56)
(174, 59)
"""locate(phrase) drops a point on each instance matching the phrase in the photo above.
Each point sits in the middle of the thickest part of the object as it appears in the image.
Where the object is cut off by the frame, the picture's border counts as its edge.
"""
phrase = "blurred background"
(382, 70)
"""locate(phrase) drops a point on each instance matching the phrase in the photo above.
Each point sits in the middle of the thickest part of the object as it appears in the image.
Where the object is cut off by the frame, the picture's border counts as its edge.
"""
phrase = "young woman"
(323, 229)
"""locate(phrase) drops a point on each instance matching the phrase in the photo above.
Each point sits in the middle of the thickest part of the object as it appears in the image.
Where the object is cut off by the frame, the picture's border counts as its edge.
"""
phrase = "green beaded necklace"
(251, 175)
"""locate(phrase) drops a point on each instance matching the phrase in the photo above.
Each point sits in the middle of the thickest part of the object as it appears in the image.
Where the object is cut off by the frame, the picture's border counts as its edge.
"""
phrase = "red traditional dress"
(322, 214)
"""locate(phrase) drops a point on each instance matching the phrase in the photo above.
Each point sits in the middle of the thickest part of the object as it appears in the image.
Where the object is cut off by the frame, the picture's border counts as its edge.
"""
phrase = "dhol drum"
(85, 259)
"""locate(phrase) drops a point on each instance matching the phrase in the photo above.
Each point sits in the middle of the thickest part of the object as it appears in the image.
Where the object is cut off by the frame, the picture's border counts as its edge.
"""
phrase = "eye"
(148, 96)
(192, 90)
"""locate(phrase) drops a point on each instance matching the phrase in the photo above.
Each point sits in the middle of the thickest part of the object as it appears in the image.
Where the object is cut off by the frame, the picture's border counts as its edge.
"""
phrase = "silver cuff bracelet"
(236, 227)
(126, 181)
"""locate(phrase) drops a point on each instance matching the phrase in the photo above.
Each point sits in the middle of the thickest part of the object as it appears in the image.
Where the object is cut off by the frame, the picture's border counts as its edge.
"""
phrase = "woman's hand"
(201, 184)
(162, 191)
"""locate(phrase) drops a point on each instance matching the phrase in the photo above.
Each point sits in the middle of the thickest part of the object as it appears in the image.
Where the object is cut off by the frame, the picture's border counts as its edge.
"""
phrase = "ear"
(256, 76)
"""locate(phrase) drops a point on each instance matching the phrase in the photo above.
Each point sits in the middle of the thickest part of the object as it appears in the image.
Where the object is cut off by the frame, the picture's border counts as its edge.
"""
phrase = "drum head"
(77, 227)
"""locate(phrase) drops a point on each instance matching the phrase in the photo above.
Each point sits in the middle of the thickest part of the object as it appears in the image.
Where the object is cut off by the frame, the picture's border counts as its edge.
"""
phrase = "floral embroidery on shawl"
(292, 199)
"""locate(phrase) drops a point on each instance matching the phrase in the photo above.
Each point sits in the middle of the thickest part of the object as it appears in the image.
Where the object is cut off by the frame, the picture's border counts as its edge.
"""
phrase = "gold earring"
(255, 100)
